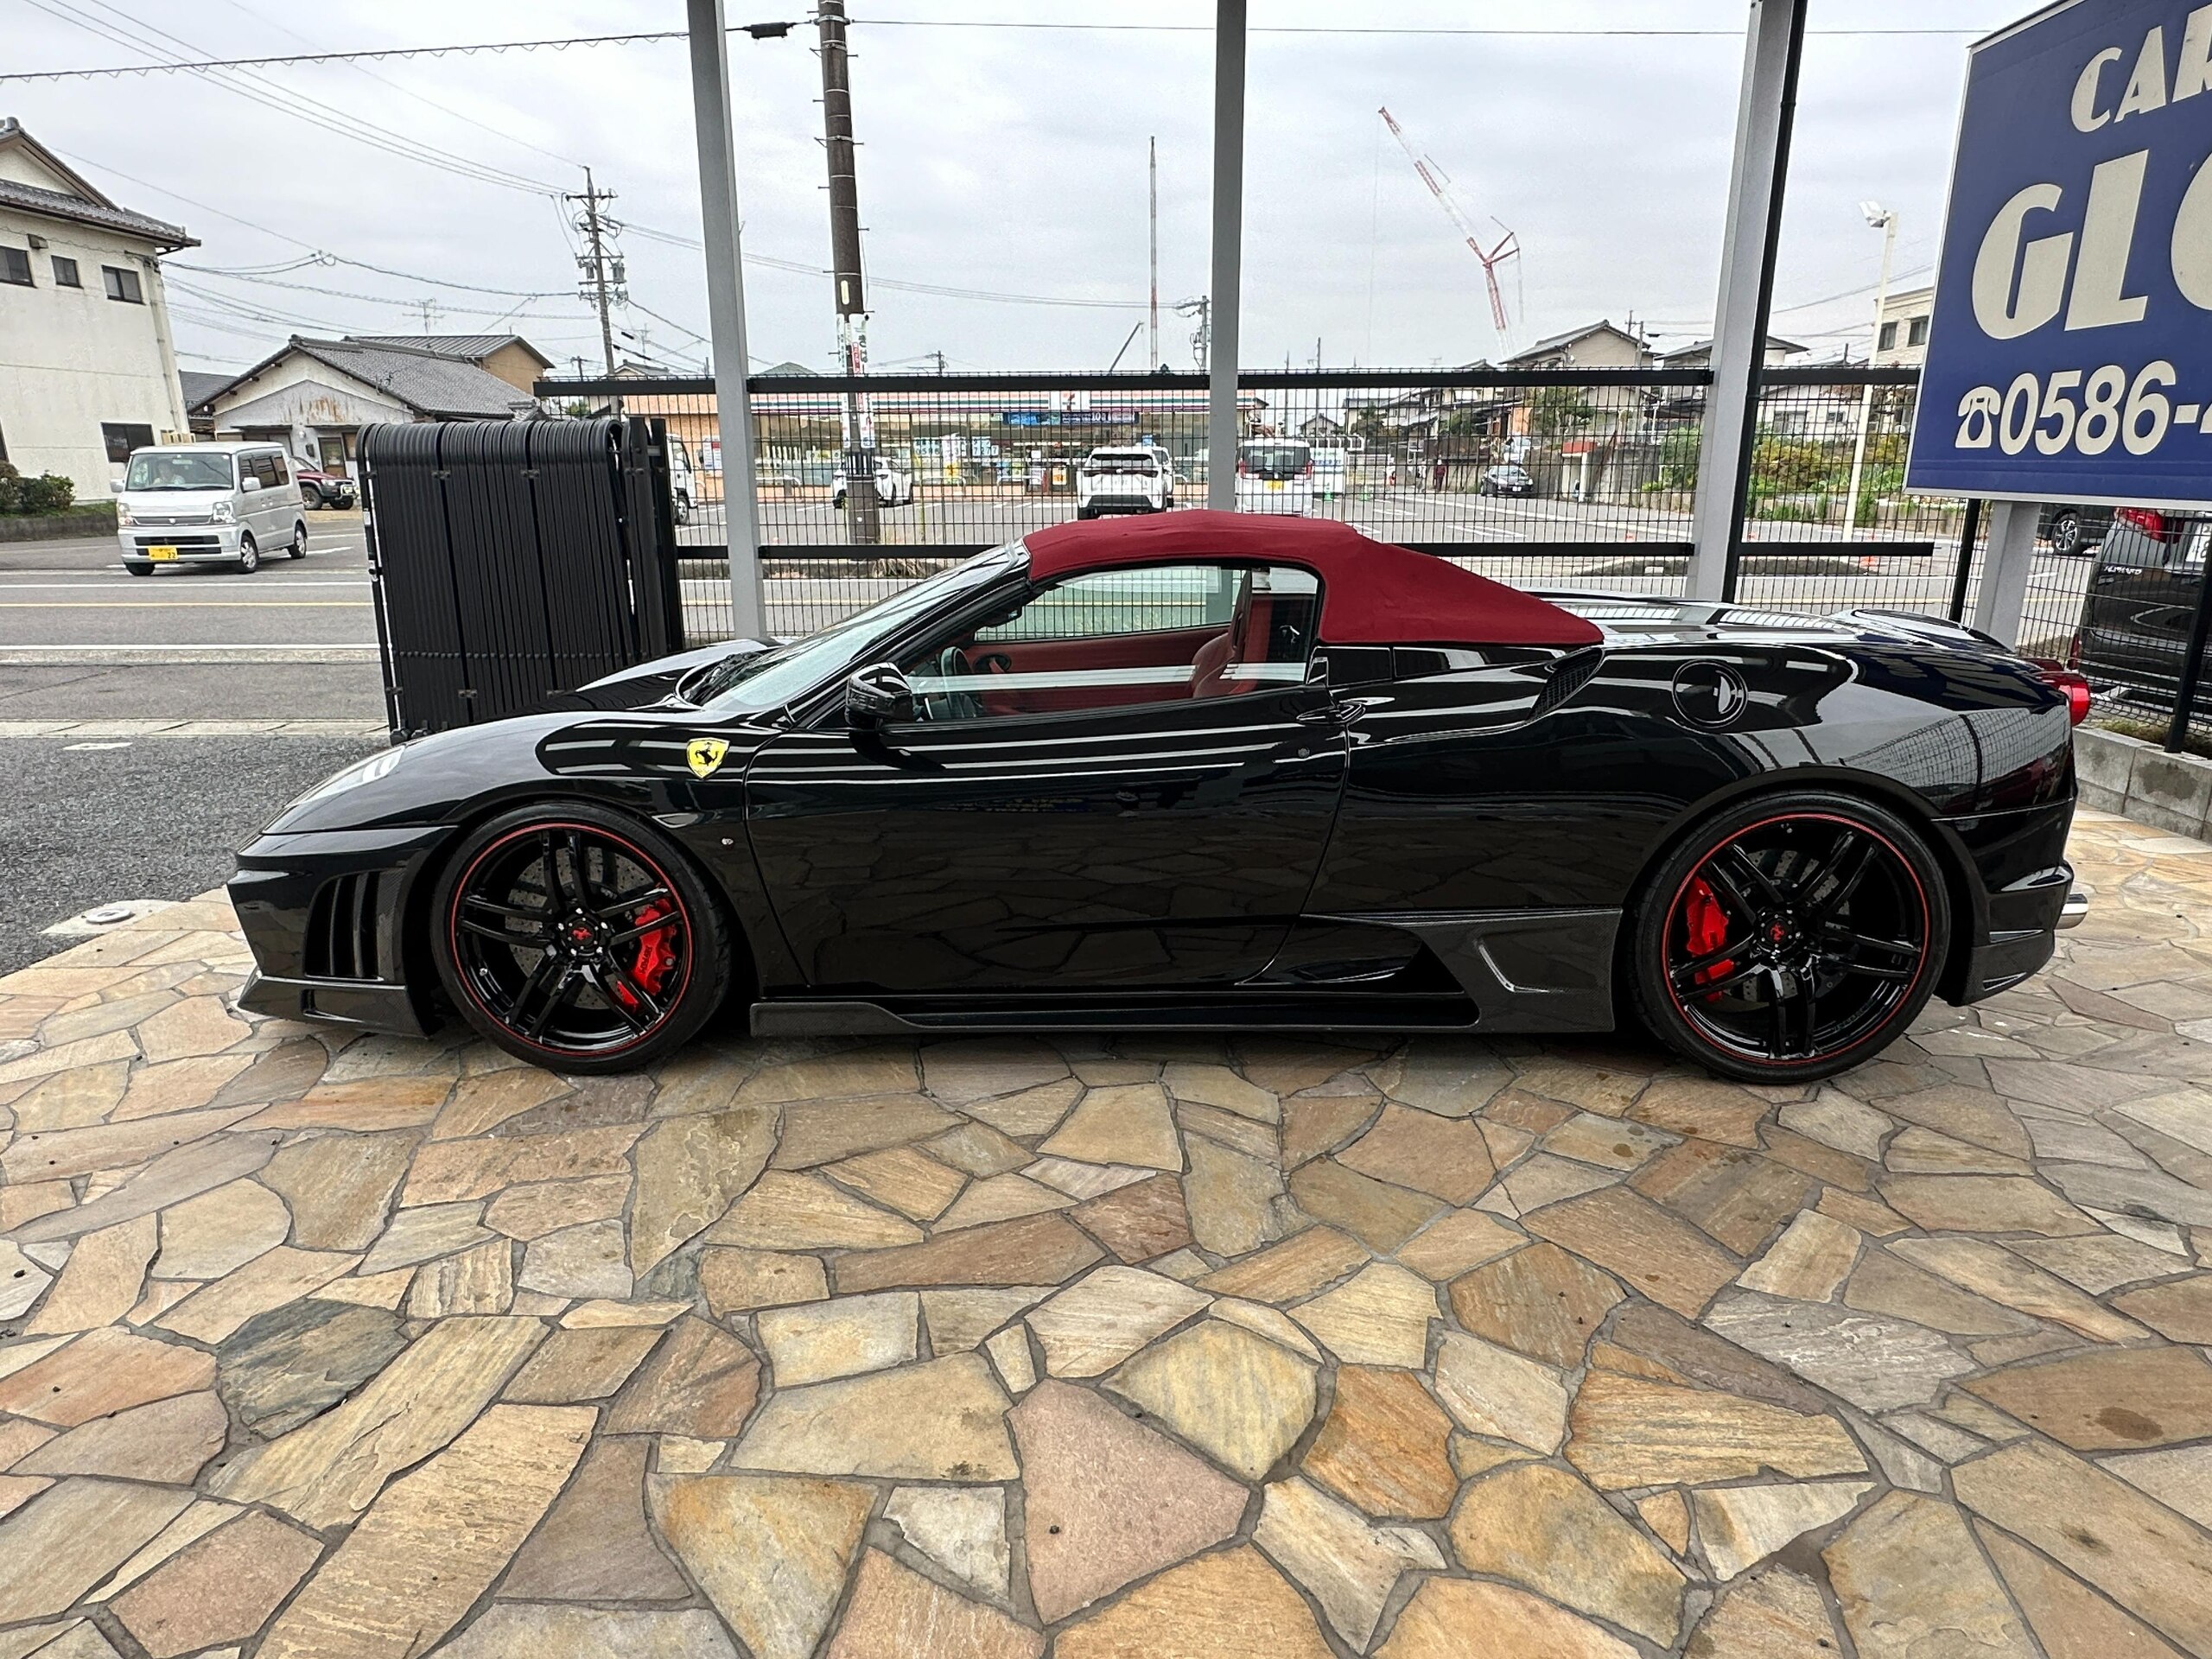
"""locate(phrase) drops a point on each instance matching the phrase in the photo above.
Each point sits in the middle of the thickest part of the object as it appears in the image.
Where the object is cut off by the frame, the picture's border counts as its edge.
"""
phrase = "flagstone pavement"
(1128, 1349)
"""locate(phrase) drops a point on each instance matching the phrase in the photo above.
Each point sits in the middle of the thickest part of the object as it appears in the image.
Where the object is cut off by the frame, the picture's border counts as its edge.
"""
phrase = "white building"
(87, 363)
(1901, 332)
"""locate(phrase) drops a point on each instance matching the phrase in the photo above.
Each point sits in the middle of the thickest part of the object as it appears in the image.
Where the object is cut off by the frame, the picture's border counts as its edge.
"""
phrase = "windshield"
(775, 677)
(1274, 459)
(167, 469)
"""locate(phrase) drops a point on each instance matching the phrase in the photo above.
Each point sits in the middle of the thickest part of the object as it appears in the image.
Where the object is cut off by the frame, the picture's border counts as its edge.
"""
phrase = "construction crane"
(1507, 247)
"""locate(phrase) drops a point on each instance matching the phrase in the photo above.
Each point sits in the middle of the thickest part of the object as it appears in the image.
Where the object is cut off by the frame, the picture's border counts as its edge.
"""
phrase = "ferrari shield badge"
(705, 754)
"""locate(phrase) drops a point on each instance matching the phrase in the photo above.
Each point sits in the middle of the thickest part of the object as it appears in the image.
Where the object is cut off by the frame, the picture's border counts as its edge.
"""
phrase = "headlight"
(122, 519)
(361, 772)
(222, 513)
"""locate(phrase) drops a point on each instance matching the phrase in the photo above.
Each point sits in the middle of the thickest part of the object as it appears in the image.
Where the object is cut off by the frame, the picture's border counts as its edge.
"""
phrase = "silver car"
(227, 503)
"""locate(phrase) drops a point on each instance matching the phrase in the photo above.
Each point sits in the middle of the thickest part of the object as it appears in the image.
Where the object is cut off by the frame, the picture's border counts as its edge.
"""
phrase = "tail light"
(2059, 677)
(2073, 652)
(2153, 525)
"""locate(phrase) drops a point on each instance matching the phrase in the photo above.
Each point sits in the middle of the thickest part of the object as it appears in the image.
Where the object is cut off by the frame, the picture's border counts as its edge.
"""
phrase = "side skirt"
(1519, 971)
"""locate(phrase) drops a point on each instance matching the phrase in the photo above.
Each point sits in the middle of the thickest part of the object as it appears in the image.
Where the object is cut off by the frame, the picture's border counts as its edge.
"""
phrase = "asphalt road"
(90, 822)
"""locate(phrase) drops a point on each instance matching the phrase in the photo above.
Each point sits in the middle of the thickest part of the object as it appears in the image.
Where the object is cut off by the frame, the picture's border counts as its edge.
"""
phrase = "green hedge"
(34, 497)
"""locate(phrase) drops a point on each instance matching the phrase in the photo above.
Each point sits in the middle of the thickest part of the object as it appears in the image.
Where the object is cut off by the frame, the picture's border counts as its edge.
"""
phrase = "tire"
(297, 547)
(140, 570)
(308, 498)
(649, 1001)
(2065, 534)
(1789, 937)
(249, 555)
(683, 508)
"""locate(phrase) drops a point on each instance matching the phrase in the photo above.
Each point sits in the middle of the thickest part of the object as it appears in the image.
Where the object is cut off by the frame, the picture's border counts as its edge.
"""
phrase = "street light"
(1883, 220)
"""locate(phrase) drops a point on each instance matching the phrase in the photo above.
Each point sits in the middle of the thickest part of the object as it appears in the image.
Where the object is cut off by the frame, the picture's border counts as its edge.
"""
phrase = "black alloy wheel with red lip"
(1791, 937)
(578, 938)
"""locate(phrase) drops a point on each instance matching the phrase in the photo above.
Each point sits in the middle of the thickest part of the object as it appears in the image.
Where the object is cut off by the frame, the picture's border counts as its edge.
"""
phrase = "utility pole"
(939, 356)
(862, 520)
(601, 290)
(1885, 221)
(1152, 334)
(1201, 336)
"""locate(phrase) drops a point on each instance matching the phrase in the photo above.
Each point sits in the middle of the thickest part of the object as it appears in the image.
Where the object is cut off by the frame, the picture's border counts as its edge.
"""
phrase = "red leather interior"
(1176, 647)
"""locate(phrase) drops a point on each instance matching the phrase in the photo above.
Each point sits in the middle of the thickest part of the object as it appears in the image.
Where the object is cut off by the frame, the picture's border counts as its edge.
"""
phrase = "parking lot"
(1262, 1350)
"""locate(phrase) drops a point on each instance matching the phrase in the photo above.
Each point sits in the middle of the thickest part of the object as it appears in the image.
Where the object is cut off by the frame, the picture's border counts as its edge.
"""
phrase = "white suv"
(1135, 480)
(1276, 475)
(895, 487)
(208, 503)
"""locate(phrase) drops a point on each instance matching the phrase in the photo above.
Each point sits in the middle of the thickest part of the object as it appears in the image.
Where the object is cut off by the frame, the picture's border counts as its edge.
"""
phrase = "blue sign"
(2070, 354)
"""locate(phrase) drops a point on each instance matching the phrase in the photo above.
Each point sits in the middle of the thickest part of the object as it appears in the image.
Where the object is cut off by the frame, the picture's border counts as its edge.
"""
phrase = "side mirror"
(249, 482)
(115, 487)
(878, 696)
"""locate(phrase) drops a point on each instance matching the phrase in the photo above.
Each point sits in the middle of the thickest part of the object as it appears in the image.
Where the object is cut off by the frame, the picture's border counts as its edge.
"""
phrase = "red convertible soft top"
(1372, 594)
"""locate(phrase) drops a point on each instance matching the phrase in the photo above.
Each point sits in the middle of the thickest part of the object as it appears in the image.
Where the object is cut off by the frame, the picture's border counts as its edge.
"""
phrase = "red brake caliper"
(1707, 927)
(655, 957)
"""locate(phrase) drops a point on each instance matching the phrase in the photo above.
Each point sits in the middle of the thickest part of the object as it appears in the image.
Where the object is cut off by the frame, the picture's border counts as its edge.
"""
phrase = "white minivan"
(227, 503)
(1276, 475)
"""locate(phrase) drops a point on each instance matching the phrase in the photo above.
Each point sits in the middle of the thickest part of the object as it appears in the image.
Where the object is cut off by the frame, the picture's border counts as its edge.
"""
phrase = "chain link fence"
(1575, 479)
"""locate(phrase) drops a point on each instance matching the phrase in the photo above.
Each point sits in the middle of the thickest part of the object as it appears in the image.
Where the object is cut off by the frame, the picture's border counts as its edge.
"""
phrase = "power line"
(313, 111)
(289, 59)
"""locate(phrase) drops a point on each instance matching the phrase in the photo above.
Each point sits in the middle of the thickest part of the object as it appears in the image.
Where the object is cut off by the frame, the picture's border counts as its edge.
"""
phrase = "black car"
(2071, 528)
(2144, 593)
(1211, 772)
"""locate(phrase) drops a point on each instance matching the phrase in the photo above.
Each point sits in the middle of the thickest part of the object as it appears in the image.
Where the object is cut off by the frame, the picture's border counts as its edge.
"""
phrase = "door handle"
(1340, 716)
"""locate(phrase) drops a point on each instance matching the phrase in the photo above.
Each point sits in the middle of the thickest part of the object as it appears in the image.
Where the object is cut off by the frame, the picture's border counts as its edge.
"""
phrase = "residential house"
(87, 362)
(1901, 329)
(199, 387)
(511, 357)
(315, 396)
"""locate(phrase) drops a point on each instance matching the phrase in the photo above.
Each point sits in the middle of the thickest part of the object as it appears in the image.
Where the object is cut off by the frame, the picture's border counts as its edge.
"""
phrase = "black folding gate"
(511, 560)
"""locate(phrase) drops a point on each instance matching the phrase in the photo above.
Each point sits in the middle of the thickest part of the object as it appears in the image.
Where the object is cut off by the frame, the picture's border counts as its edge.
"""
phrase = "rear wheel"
(1790, 937)
(2065, 534)
(298, 546)
(579, 938)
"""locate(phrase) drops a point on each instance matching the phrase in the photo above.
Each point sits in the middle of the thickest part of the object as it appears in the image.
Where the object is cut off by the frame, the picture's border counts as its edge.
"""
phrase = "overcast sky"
(1005, 159)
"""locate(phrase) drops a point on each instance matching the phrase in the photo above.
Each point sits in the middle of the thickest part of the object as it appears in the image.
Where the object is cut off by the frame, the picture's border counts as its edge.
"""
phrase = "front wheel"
(1790, 937)
(249, 556)
(579, 938)
(2065, 534)
(682, 512)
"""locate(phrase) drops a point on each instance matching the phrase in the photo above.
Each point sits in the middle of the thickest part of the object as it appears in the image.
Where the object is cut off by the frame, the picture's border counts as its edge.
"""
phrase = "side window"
(278, 473)
(1114, 639)
(265, 468)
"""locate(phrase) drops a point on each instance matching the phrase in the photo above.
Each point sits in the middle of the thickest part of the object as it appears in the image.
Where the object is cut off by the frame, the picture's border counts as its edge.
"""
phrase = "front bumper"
(325, 915)
(194, 544)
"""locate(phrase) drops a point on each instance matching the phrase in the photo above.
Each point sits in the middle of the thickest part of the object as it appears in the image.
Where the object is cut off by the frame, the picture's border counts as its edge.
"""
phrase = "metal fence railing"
(1559, 478)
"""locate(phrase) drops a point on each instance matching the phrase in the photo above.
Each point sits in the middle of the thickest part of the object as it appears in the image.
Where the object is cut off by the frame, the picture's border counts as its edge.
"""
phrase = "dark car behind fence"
(511, 560)
(2144, 624)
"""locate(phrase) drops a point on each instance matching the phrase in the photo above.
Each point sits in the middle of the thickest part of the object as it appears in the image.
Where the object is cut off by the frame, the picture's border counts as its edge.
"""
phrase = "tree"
(1558, 411)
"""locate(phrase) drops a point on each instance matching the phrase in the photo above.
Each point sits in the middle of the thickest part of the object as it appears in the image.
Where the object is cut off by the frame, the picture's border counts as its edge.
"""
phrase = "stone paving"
(1157, 1349)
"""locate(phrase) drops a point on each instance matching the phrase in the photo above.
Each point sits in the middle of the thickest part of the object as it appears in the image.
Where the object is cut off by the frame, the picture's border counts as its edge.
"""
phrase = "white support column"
(2002, 598)
(726, 313)
(1773, 46)
(1222, 419)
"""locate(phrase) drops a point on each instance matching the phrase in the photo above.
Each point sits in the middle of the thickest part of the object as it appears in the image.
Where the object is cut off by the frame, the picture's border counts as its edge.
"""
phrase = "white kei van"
(228, 503)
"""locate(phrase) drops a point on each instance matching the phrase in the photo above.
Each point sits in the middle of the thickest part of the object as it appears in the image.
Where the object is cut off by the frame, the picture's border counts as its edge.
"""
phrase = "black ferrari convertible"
(1208, 772)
